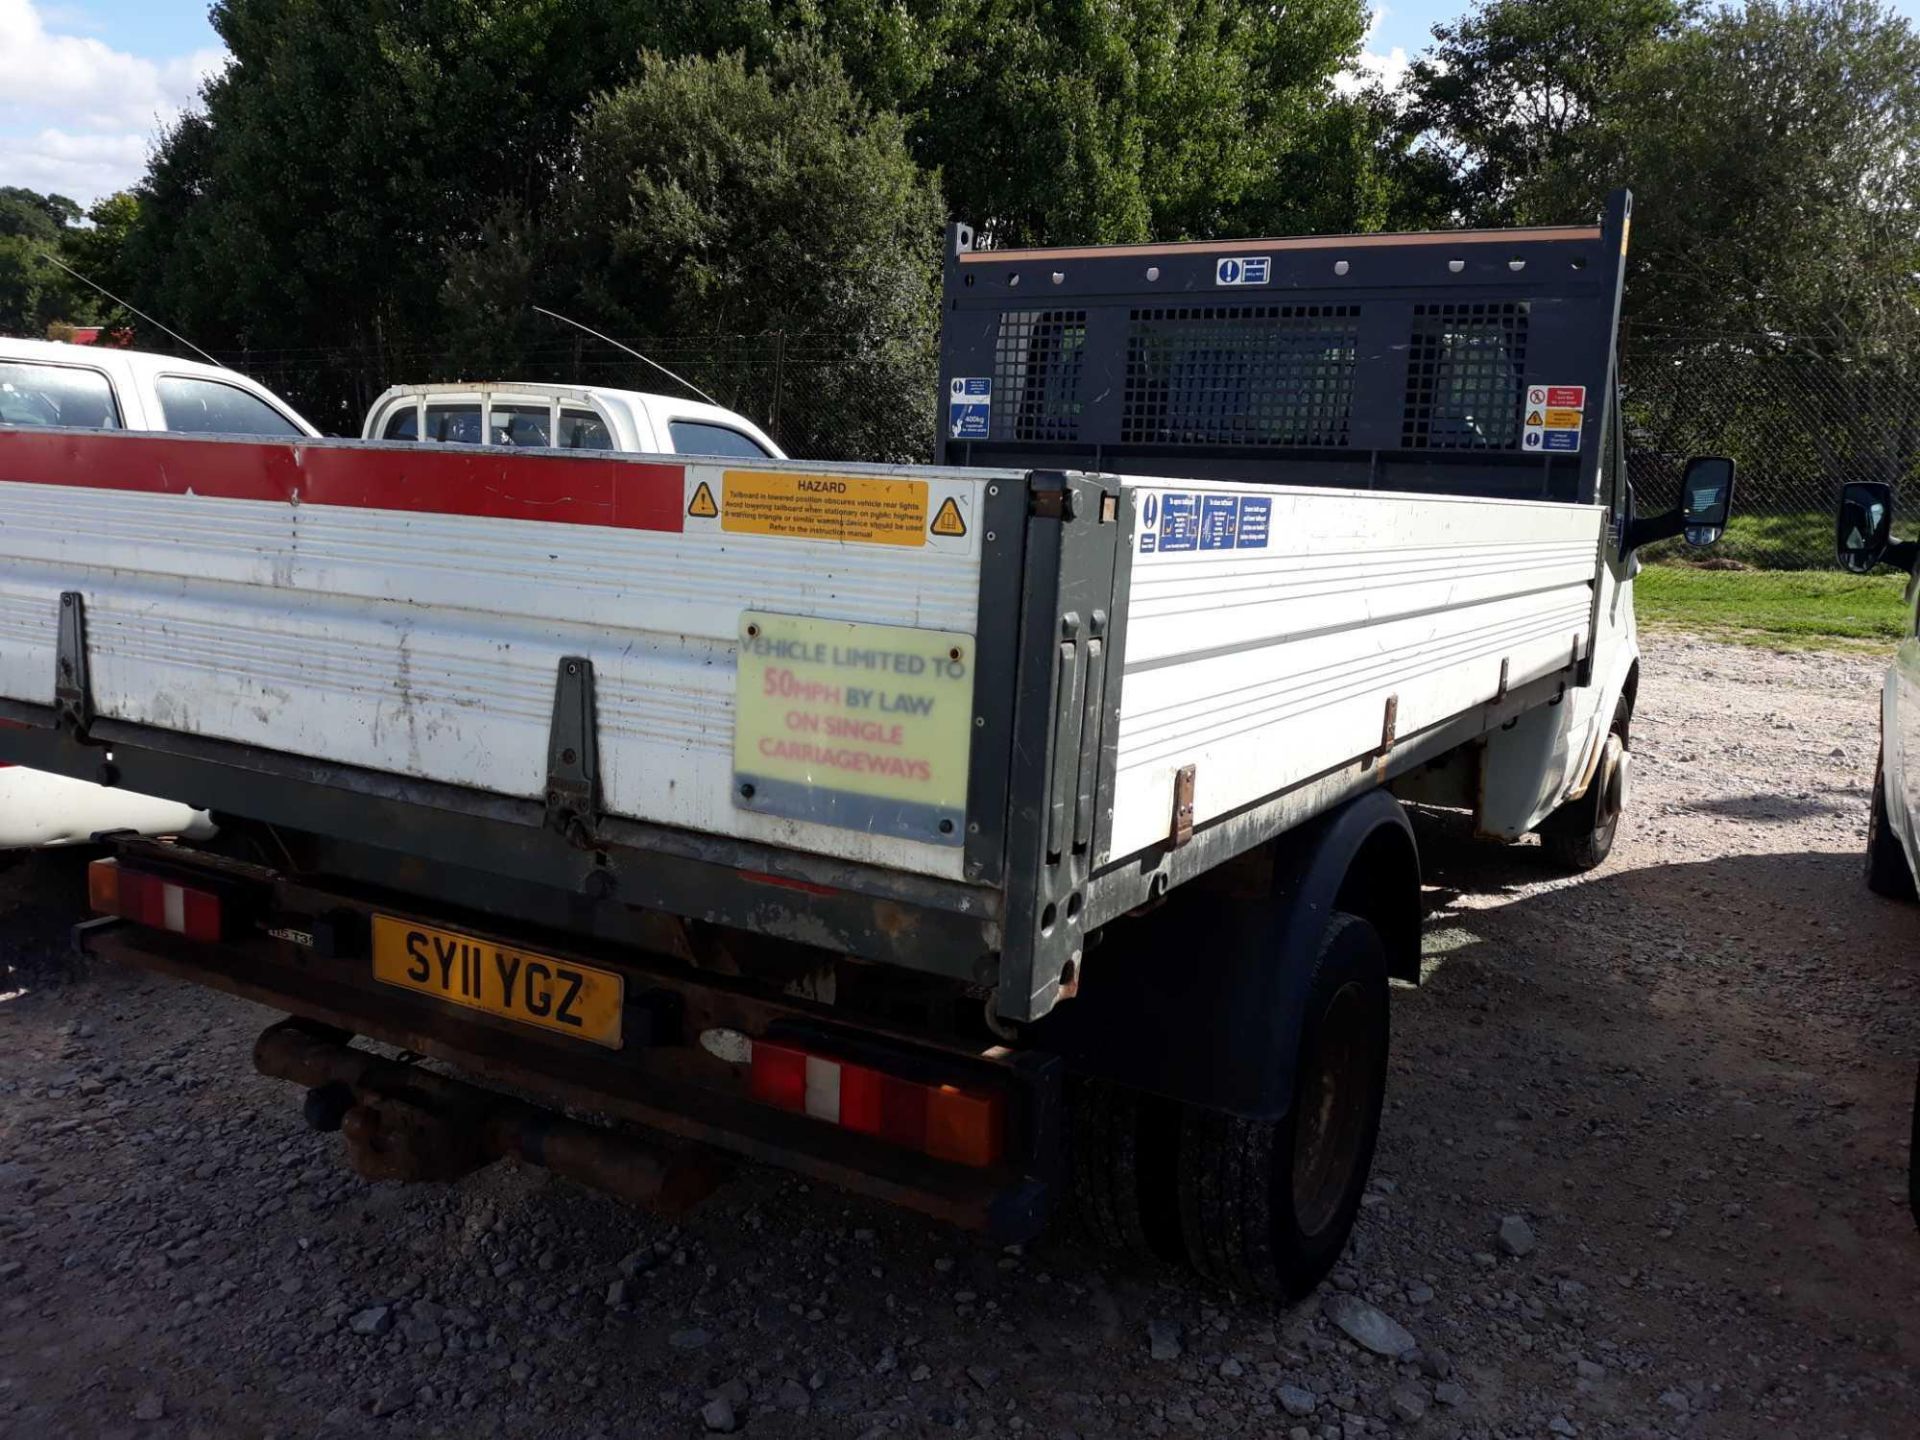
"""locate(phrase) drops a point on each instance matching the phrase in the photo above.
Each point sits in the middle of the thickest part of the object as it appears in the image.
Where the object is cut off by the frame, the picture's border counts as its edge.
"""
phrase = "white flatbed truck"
(969, 836)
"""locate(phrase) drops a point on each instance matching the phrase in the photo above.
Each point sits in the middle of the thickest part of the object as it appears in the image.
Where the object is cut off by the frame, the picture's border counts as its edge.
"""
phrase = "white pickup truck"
(564, 417)
(974, 836)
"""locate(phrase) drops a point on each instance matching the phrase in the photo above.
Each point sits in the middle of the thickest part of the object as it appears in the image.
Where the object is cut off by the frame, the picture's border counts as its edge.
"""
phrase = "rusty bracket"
(72, 684)
(573, 755)
(1389, 723)
(1182, 805)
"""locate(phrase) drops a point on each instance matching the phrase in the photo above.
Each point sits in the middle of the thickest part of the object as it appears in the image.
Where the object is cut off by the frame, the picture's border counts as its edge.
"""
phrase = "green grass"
(1784, 607)
(1789, 540)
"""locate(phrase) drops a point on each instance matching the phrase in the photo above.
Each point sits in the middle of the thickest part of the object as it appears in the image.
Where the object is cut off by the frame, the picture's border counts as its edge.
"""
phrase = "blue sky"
(85, 84)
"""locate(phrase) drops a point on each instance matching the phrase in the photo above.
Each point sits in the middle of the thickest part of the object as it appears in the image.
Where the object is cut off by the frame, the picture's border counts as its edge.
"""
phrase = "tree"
(347, 147)
(34, 291)
(1775, 155)
(719, 200)
(1510, 96)
(1058, 121)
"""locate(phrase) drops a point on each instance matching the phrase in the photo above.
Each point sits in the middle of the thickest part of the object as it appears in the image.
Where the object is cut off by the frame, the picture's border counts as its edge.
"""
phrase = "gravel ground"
(1642, 1174)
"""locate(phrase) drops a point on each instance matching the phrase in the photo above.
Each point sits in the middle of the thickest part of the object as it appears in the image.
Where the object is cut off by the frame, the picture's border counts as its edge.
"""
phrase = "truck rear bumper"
(679, 1097)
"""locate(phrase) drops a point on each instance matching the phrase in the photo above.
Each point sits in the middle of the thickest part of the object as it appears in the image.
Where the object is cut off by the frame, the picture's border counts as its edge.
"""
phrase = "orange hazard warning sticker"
(858, 509)
(701, 507)
(947, 520)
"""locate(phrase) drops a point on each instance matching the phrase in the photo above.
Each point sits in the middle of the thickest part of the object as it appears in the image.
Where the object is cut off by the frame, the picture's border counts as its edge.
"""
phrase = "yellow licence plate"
(555, 995)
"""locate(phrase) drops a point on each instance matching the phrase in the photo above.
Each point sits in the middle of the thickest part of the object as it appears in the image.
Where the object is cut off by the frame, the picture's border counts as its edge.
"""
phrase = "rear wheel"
(1123, 1153)
(1579, 835)
(1267, 1206)
(1888, 873)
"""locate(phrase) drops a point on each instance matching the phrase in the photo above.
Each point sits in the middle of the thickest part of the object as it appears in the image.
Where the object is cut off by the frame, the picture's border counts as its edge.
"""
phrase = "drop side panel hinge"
(72, 684)
(573, 755)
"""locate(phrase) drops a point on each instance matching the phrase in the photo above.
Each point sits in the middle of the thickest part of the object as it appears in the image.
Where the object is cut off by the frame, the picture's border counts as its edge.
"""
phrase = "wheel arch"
(1183, 1001)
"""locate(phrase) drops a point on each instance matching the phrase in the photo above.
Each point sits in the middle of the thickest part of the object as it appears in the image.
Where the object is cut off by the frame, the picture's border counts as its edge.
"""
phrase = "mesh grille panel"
(1036, 375)
(1464, 372)
(1243, 375)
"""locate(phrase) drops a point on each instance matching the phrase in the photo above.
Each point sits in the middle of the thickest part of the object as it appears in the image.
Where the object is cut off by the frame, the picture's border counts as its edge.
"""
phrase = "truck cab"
(565, 417)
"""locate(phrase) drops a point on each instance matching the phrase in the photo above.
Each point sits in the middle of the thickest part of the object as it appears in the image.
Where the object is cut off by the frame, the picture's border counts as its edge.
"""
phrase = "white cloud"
(1389, 69)
(82, 113)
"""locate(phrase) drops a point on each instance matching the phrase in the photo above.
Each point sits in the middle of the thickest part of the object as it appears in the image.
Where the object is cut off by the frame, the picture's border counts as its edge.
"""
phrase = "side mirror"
(1706, 498)
(1863, 535)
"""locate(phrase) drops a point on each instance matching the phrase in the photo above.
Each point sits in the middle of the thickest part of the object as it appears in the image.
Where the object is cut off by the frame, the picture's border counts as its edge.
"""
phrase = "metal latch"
(1182, 805)
(1389, 722)
(1051, 497)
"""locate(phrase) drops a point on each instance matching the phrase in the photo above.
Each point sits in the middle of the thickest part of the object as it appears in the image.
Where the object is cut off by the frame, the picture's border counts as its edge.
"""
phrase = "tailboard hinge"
(573, 755)
(72, 683)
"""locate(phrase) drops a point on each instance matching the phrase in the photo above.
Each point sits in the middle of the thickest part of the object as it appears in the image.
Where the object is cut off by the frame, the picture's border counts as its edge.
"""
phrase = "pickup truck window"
(520, 425)
(454, 424)
(582, 430)
(56, 395)
(209, 407)
(693, 437)
(403, 424)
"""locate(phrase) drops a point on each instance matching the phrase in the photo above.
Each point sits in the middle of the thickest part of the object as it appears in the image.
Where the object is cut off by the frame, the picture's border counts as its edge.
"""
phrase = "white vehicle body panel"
(1264, 667)
(426, 644)
(39, 809)
(1900, 736)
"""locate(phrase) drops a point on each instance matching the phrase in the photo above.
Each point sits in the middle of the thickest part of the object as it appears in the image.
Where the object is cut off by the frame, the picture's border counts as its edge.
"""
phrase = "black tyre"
(1122, 1155)
(1267, 1206)
(1888, 873)
(1579, 835)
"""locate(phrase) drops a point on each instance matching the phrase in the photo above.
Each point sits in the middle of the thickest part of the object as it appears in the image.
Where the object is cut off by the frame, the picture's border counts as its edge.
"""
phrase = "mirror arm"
(1655, 527)
(1901, 554)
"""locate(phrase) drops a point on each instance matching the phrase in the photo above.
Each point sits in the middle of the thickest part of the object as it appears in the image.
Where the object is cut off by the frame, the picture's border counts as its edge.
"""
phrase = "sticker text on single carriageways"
(861, 509)
(862, 726)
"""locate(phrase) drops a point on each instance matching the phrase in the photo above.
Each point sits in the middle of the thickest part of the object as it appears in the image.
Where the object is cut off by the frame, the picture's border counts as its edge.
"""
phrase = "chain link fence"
(1799, 422)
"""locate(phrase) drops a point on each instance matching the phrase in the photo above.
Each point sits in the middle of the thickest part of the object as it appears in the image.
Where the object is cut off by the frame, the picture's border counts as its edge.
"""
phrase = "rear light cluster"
(938, 1120)
(112, 889)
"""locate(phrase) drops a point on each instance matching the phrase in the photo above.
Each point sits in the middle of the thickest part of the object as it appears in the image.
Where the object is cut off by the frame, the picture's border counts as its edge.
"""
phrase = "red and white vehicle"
(97, 388)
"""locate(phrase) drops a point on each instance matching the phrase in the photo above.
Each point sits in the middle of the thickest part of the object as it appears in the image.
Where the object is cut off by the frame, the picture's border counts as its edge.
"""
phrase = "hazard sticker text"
(867, 727)
(856, 509)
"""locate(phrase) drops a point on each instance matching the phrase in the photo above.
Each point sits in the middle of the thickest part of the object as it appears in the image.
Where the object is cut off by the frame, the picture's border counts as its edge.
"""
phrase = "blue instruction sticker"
(1563, 440)
(1256, 515)
(969, 407)
(1219, 521)
(1179, 522)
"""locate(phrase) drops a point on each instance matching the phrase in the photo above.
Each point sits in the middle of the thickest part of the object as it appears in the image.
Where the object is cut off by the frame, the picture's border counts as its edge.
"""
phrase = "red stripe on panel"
(480, 480)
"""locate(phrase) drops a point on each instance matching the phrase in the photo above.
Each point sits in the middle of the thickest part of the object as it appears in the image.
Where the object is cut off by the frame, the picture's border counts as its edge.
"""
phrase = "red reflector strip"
(939, 1120)
(112, 889)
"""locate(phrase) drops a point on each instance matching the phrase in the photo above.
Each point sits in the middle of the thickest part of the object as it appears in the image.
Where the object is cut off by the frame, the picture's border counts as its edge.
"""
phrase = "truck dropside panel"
(405, 610)
(1274, 634)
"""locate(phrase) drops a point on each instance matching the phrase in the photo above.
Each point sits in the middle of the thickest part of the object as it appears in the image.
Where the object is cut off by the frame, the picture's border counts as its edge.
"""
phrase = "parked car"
(565, 417)
(1864, 539)
(81, 387)
(78, 387)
